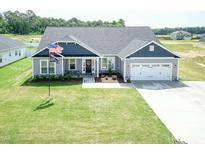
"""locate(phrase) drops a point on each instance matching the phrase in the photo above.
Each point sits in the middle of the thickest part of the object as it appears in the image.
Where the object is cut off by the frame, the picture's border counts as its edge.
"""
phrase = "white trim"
(32, 68)
(124, 75)
(83, 62)
(47, 61)
(41, 66)
(152, 58)
(62, 63)
(80, 57)
(75, 64)
(97, 67)
(171, 69)
(147, 45)
(93, 65)
(177, 69)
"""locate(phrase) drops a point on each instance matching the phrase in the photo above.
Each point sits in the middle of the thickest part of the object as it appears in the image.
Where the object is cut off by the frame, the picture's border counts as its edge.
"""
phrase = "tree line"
(29, 23)
(167, 31)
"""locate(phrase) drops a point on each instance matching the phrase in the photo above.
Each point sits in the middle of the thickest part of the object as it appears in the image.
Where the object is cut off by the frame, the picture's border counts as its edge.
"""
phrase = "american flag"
(54, 49)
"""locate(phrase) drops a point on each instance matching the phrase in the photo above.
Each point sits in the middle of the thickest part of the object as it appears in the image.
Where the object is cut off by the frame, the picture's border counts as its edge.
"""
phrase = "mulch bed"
(109, 79)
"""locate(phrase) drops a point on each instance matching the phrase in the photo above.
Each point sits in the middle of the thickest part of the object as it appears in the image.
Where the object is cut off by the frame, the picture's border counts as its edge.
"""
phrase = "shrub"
(78, 76)
(36, 78)
(52, 77)
(61, 77)
(69, 77)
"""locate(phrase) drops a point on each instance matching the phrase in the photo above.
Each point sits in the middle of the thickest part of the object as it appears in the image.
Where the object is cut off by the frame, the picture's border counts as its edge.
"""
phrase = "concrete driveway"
(179, 105)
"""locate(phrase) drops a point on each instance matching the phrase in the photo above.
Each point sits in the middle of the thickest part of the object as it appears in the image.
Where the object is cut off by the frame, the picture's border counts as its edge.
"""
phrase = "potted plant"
(110, 69)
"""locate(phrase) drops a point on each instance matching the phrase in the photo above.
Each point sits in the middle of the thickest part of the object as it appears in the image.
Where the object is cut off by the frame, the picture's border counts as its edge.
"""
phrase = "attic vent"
(151, 48)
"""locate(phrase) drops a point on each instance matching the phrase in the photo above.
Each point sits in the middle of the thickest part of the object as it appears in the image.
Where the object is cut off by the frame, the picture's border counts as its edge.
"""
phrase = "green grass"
(191, 70)
(192, 53)
(25, 38)
(184, 46)
(74, 115)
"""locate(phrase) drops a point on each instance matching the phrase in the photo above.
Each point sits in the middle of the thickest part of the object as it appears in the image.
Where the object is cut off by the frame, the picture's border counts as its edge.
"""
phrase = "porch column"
(62, 67)
(124, 74)
(97, 67)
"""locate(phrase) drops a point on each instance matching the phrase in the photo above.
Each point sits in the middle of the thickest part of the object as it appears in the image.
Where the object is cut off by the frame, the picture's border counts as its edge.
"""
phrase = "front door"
(88, 66)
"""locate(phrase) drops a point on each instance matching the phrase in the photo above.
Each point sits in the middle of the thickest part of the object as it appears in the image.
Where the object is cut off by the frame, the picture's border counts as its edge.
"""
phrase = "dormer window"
(151, 48)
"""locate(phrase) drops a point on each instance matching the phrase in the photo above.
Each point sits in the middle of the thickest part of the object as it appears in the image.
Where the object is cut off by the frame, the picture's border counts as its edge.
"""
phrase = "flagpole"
(49, 84)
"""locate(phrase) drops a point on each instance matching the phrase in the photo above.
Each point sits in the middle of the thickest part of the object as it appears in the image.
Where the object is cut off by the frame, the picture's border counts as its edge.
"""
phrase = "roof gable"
(70, 49)
(159, 51)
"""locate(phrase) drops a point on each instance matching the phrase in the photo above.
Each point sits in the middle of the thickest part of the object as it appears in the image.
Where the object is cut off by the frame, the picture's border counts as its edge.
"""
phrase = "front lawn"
(74, 115)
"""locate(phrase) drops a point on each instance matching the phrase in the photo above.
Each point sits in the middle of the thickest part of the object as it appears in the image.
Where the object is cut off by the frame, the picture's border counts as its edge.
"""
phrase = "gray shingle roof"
(7, 43)
(104, 40)
(131, 47)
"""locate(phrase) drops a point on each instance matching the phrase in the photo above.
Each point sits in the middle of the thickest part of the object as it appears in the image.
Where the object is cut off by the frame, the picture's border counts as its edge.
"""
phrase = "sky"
(153, 13)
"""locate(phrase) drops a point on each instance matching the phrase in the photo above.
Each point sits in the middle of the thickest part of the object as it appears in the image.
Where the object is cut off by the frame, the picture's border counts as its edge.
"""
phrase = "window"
(44, 66)
(52, 68)
(72, 64)
(0, 59)
(165, 65)
(19, 53)
(9, 54)
(108, 62)
(16, 53)
(151, 48)
(104, 63)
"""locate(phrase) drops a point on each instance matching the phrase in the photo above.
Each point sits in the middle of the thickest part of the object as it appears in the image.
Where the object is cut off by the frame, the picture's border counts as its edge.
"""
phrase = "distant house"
(10, 50)
(202, 37)
(181, 35)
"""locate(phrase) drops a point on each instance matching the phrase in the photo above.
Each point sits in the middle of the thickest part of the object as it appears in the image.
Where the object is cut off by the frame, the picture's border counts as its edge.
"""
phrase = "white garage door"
(151, 71)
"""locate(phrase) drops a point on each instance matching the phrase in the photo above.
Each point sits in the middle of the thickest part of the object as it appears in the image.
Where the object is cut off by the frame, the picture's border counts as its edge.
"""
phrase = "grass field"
(74, 115)
(192, 58)
(25, 38)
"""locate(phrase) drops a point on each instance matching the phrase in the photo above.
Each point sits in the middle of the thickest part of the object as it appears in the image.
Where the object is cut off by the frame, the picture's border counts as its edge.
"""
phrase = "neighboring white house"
(202, 37)
(181, 35)
(10, 50)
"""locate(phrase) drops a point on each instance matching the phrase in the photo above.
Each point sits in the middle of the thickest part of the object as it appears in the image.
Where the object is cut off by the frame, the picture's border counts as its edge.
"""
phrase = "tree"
(28, 22)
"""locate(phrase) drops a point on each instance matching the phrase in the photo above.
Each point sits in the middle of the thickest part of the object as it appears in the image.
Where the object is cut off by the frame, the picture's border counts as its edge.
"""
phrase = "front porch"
(80, 66)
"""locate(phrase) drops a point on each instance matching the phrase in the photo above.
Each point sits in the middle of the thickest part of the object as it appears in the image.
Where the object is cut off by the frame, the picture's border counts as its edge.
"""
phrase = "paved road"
(179, 105)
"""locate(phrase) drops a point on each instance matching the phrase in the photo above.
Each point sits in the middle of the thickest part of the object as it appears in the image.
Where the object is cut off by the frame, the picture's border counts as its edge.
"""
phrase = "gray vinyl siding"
(59, 67)
(117, 64)
(79, 65)
(36, 66)
(158, 52)
(172, 61)
(8, 56)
